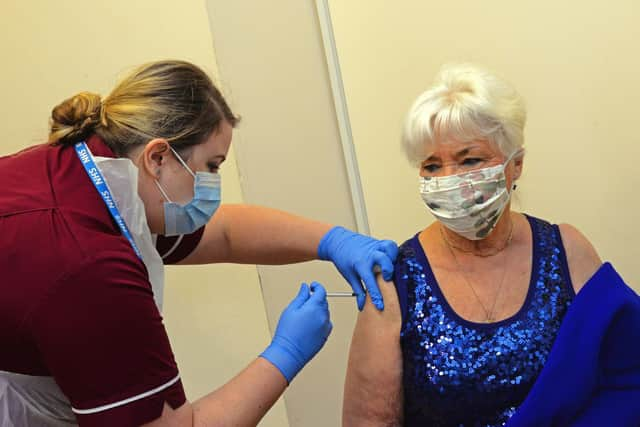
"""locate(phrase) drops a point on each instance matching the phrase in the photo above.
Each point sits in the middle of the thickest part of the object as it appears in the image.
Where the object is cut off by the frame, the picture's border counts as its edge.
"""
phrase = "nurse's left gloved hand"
(355, 256)
(303, 328)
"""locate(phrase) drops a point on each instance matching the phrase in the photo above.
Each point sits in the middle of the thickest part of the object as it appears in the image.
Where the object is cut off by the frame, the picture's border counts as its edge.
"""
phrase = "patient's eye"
(431, 168)
(471, 161)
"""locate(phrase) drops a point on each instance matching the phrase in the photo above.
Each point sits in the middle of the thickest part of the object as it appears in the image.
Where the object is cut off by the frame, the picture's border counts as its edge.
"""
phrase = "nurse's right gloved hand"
(303, 328)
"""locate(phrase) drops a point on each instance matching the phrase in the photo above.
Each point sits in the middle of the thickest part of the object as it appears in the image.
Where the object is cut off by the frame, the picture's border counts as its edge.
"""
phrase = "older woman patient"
(480, 295)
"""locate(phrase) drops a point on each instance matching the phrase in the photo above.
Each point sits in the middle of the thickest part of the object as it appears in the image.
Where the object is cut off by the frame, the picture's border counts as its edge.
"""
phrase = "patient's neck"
(497, 241)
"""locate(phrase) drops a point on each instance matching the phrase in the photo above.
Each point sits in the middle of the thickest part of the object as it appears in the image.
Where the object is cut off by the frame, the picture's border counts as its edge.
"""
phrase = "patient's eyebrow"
(463, 152)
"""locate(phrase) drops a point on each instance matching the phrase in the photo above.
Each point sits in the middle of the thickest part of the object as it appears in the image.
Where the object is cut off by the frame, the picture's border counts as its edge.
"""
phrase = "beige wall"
(575, 62)
(290, 157)
(50, 50)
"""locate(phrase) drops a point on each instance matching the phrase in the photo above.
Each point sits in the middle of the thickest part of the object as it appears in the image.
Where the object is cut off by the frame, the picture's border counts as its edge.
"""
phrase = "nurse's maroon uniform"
(79, 327)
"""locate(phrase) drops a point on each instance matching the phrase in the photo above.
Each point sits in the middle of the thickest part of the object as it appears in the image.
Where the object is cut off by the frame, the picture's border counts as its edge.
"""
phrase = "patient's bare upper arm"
(373, 386)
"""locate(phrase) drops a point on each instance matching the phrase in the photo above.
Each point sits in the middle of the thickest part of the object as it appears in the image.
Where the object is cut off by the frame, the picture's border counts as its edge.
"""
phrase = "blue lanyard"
(98, 181)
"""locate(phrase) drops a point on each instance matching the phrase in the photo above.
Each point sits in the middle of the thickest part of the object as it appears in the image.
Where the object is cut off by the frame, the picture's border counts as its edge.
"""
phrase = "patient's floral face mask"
(471, 203)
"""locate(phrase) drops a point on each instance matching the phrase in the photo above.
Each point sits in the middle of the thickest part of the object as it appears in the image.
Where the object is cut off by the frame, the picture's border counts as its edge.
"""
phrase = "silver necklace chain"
(488, 313)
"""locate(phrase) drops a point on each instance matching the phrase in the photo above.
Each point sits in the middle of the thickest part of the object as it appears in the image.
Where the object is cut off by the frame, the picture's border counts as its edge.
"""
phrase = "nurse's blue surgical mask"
(185, 219)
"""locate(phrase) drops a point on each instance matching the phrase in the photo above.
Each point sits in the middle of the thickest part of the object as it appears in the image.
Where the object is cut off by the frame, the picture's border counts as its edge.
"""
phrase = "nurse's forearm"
(257, 235)
(244, 400)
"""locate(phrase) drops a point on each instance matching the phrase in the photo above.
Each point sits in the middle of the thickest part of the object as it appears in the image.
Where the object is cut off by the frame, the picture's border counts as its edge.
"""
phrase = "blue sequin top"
(462, 373)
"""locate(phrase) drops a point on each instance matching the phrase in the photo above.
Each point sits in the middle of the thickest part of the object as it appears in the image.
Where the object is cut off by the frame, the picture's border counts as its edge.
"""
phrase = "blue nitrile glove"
(303, 328)
(355, 256)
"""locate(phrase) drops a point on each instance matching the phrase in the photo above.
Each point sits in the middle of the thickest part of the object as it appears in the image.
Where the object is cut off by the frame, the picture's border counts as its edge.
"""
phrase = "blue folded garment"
(592, 375)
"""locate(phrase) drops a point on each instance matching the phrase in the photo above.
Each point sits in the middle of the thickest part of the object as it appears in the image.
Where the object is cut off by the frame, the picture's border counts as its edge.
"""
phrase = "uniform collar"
(98, 147)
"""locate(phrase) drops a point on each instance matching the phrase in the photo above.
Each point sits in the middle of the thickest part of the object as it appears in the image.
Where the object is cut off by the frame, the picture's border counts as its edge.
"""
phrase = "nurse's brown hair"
(174, 100)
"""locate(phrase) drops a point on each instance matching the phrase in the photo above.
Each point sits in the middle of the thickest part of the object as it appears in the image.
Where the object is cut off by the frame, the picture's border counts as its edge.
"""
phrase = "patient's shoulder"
(408, 266)
(582, 257)
(391, 315)
(407, 251)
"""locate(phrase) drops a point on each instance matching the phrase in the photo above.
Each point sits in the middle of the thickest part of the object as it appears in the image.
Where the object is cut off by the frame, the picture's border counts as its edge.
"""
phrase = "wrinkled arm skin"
(373, 386)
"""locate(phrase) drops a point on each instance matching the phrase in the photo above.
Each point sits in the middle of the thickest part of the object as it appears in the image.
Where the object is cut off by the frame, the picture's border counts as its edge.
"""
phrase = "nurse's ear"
(153, 156)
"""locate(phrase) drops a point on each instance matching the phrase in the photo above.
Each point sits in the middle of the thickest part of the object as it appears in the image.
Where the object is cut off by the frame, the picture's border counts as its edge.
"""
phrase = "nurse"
(125, 185)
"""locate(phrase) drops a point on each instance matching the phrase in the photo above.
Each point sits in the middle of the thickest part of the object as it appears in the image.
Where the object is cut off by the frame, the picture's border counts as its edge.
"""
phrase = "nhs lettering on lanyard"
(98, 181)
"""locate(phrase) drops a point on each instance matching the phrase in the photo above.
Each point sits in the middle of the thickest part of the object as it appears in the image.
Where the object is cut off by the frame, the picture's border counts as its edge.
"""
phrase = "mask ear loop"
(162, 191)
(513, 155)
(182, 162)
